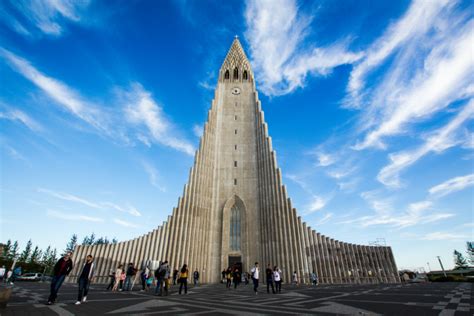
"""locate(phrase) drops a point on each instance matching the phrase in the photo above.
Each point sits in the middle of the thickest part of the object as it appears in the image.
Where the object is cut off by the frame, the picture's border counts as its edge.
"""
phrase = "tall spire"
(236, 58)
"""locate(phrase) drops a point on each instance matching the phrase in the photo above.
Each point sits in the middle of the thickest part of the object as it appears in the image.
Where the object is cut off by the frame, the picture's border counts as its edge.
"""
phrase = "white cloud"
(324, 159)
(419, 18)
(452, 185)
(124, 223)
(276, 31)
(198, 130)
(72, 217)
(22, 117)
(325, 219)
(445, 236)
(127, 209)
(48, 16)
(95, 205)
(141, 109)
(317, 203)
(70, 197)
(153, 175)
(418, 213)
(430, 71)
(59, 92)
(441, 140)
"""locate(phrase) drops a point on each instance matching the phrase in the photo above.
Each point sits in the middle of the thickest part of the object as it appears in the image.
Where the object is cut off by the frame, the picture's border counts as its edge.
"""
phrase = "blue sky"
(369, 104)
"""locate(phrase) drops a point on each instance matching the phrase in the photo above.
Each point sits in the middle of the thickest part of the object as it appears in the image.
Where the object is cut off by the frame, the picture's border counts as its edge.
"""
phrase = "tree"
(25, 255)
(459, 261)
(35, 255)
(46, 254)
(470, 251)
(114, 240)
(6, 249)
(13, 251)
(71, 244)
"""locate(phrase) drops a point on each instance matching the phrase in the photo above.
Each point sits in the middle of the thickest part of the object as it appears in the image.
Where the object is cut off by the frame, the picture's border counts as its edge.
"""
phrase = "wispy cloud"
(69, 99)
(127, 209)
(385, 214)
(95, 205)
(198, 130)
(72, 217)
(124, 223)
(276, 33)
(445, 236)
(430, 71)
(325, 219)
(47, 16)
(325, 159)
(153, 175)
(317, 203)
(142, 110)
(12, 152)
(452, 185)
(439, 141)
(20, 116)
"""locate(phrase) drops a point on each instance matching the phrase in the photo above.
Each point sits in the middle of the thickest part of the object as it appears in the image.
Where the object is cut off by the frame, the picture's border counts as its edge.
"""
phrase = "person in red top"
(61, 270)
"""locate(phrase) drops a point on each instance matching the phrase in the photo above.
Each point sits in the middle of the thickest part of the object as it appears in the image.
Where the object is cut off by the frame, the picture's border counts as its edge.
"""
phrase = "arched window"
(236, 73)
(245, 76)
(235, 233)
(227, 75)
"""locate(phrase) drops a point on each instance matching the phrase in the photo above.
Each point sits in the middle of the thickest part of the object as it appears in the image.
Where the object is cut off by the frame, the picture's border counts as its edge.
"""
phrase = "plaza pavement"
(394, 299)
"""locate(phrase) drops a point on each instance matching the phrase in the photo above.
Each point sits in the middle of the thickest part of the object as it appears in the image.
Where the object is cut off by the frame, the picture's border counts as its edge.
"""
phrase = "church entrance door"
(235, 262)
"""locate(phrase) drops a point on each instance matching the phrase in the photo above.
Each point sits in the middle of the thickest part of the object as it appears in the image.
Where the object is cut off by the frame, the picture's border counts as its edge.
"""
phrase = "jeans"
(278, 286)
(183, 282)
(270, 282)
(159, 286)
(128, 283)
(83, 288)
(56, 283)
(255, 284)
(196, 281)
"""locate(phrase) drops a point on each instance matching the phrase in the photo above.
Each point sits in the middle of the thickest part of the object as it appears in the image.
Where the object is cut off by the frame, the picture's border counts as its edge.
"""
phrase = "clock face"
(235, 91)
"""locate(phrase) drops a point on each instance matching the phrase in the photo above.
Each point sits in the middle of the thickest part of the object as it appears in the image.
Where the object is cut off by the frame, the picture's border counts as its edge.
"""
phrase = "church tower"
(235, 209)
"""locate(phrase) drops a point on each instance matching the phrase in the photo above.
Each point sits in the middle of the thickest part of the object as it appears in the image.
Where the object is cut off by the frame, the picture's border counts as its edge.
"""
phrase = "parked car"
(30, 277)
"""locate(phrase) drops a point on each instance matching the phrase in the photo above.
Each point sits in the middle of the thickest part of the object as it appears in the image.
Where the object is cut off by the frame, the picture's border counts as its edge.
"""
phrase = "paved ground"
(409, 299)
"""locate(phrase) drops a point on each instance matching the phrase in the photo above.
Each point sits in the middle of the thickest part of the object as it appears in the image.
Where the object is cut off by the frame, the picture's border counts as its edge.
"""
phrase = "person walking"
(86, 276)
(118, 278)
(255, 272)
(159, 276)
(295, 278)
(224, 275)
(60, 271)
(175, 276)
(166, 277)
(143, 276)
(237, 277)
(314, 278)
(228, 275)
(269, 275)
(183, 279)
(196, 277)
(112, 280)
(277, 278)
(129, 275)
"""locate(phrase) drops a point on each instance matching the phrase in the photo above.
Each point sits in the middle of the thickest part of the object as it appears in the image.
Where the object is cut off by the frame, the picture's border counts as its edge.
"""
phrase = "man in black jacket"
(61, 270)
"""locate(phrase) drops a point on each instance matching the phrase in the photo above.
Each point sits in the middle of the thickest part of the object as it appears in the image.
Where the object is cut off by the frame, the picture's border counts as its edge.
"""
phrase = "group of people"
(123, 279)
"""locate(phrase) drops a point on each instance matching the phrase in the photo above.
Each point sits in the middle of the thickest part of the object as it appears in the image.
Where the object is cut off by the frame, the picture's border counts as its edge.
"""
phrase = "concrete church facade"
(235, 208)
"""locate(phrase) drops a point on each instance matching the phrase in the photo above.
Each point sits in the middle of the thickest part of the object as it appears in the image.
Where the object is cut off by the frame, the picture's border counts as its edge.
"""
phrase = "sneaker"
(84, 299)
(78, 303)
(49, 303)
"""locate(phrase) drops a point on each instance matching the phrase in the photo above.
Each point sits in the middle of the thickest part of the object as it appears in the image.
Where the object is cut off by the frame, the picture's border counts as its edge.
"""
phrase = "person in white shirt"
(2, 272)
(255, 276)
(277, 278)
